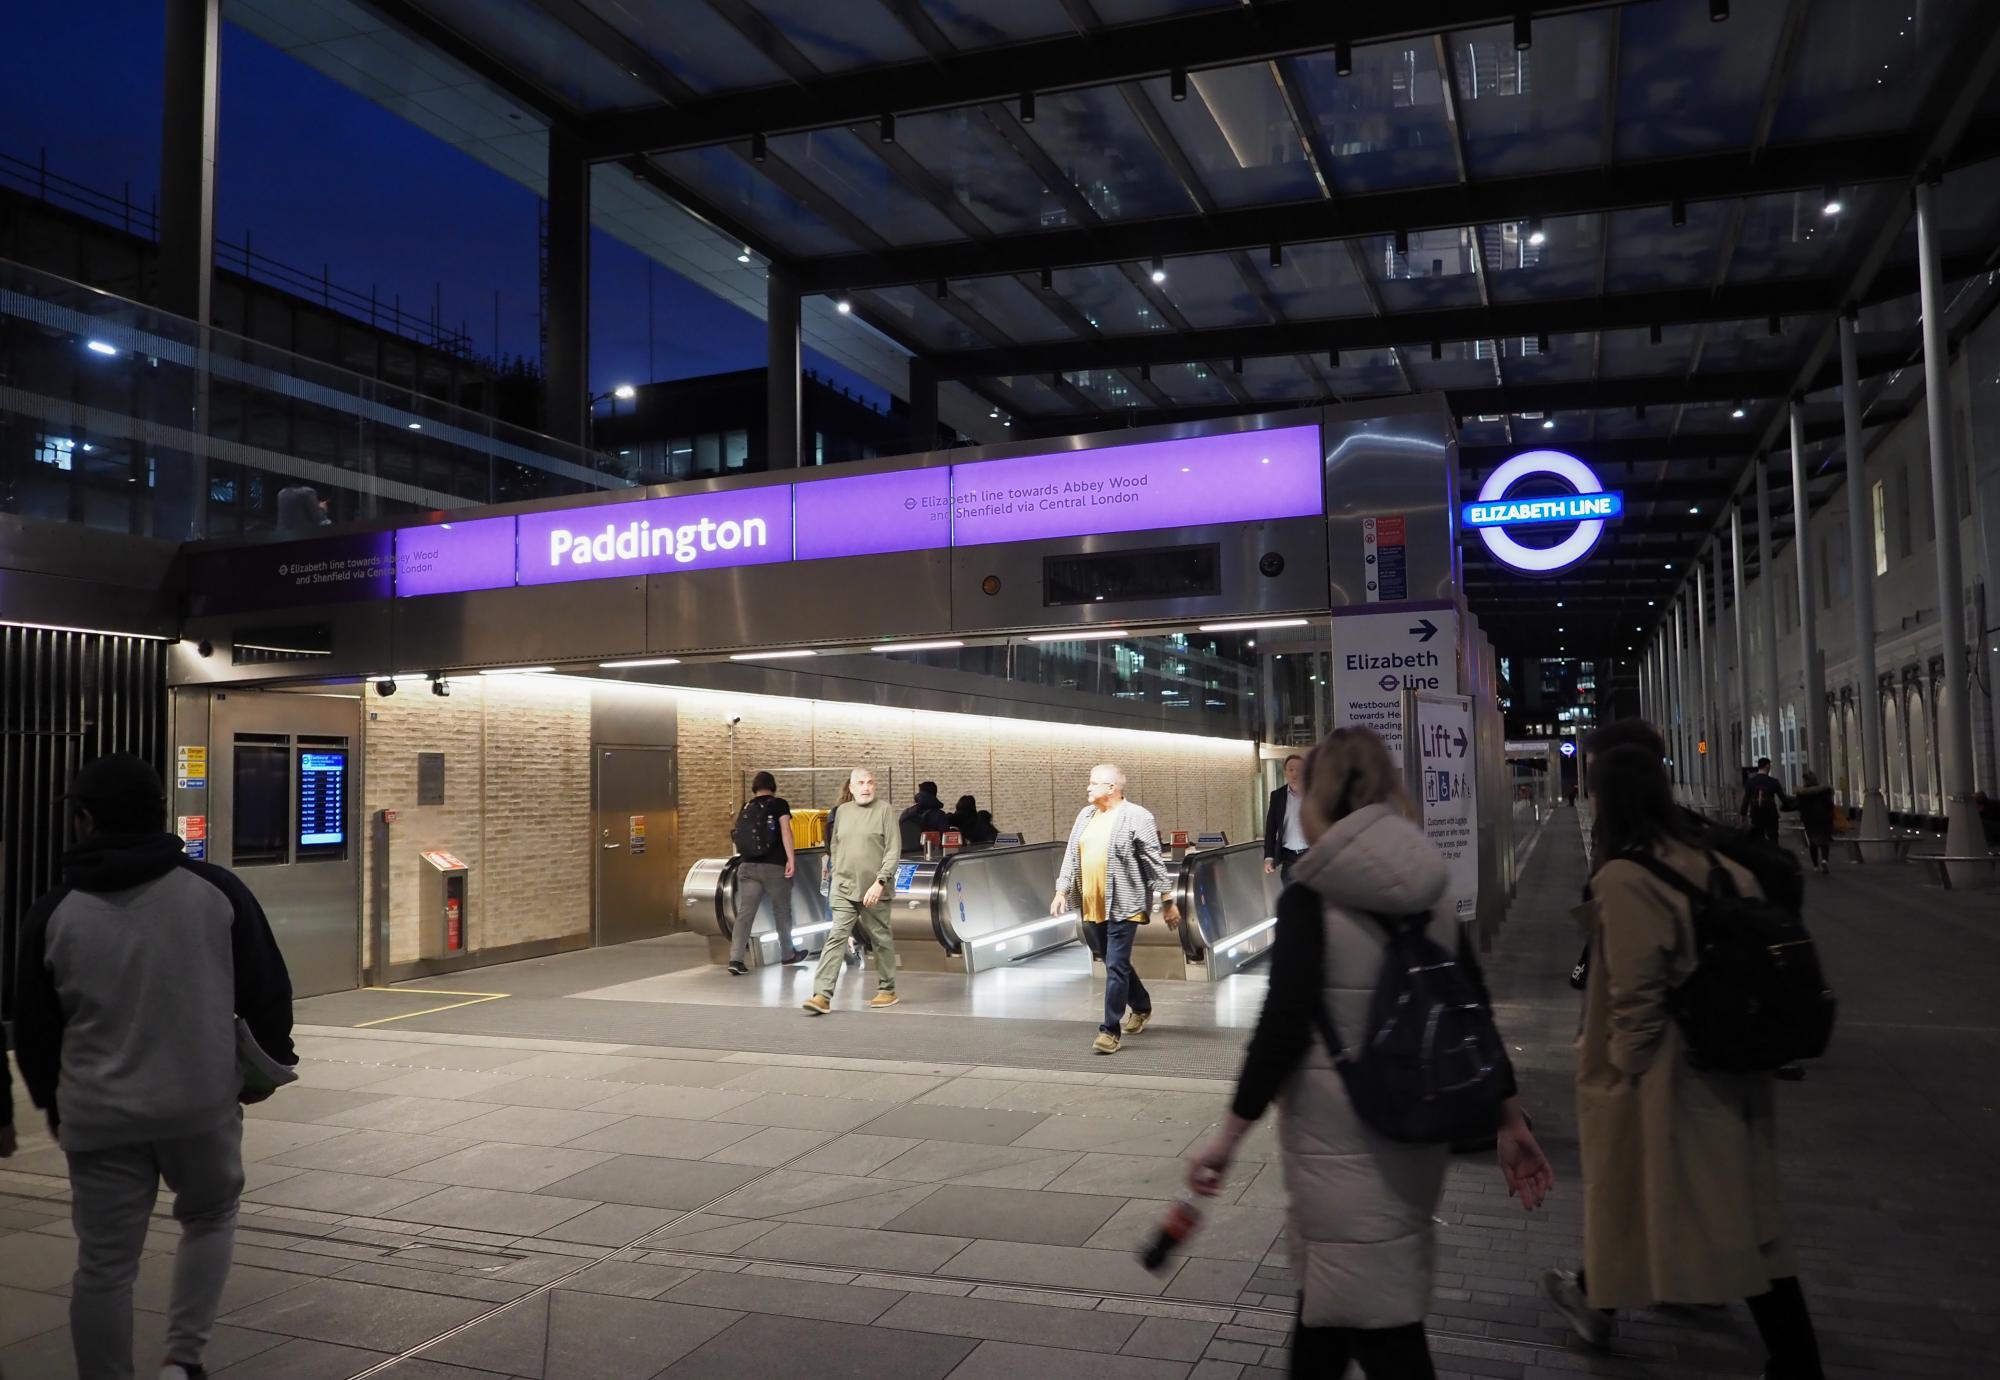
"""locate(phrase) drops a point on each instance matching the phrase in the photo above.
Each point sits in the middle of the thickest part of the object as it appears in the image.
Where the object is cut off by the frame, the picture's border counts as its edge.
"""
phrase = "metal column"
(1704, 701)
(567, 368)
(1860, 521)
(1719, 678)
(1963, 836)
(1767, 608)
(187, 156)
(782, 370)
(1737, 601)
(923, 405)
(1813, 680)
(1679, 680)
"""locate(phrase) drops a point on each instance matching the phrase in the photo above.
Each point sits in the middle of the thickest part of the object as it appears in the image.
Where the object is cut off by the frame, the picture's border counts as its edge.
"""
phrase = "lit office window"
(735, 450)
(59, 451)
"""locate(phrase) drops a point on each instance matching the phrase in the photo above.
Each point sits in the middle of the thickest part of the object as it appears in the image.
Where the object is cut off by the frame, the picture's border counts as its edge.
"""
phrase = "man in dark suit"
(1284, 833)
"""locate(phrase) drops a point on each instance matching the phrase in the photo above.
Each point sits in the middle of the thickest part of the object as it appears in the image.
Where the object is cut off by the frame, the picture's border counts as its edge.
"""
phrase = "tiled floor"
(459, 1200)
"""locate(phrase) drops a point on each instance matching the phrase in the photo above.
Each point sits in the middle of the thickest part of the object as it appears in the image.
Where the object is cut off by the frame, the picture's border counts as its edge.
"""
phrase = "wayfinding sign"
(1446, 789)
(1377, 656)
(1587, 505)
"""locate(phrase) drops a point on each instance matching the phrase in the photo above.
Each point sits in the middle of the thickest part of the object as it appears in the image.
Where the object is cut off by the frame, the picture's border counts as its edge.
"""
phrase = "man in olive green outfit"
(864, 843)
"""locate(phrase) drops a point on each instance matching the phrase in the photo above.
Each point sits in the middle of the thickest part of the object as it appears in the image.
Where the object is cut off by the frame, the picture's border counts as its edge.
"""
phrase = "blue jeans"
(1112, 942)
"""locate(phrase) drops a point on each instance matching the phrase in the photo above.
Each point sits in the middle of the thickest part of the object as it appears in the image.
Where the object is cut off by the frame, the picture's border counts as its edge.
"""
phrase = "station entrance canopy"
(1195, 522)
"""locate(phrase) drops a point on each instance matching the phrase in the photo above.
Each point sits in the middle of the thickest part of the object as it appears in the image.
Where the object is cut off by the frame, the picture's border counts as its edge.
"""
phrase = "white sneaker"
(1560, 1288)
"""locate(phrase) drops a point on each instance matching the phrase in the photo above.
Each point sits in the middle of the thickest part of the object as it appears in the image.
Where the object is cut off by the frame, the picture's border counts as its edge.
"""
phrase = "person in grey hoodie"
(131, 979)
(1360, 1213)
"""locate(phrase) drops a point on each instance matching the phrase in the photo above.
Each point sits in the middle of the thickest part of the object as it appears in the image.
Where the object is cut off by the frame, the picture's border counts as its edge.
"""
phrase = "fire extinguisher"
(453, 936)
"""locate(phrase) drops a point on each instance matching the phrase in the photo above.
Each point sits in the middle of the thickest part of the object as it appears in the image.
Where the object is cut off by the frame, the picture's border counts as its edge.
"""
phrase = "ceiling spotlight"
(1437, 349)
(843, 306)
(1548, 424)
(1694, 512)
(1536, 235)
(1145, 373)
(1343, 58)
(1277, 256)
(1027, 107)
(1159, 269)
(1656, 333)
(759, 146)
(1542, 342)
(743, 256)
(1559, 603)
(416, 426)
(940, 290)
(1177, 83)
(1718, 10)
(1831, 205)
(888, 128)
(100, 347)
(1777, 326)
(1403, 243)
(1738, 413)
(1048, 279)
(1524, 33)
(1680, 212)
(1238, 362)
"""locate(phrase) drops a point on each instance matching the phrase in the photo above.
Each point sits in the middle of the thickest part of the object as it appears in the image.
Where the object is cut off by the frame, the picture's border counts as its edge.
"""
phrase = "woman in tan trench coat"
(1680, 1171)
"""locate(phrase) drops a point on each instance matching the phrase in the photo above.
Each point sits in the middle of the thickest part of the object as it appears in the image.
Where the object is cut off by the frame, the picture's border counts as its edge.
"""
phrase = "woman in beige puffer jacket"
(1359, 1219)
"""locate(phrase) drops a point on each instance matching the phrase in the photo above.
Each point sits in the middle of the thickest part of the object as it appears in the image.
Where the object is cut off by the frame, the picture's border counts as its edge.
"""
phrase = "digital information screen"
(322, 799)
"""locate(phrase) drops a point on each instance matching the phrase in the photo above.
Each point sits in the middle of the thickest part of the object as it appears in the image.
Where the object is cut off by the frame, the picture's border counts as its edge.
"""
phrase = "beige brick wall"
(518, 783)
(517, 811)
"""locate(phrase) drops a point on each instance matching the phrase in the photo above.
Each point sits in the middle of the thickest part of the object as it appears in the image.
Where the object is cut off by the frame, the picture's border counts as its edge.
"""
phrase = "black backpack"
(1758, 999)
(1431, 1069)
(756, 830)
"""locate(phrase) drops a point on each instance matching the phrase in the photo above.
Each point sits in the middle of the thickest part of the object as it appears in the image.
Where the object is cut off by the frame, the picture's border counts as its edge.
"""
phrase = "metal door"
(638, 842)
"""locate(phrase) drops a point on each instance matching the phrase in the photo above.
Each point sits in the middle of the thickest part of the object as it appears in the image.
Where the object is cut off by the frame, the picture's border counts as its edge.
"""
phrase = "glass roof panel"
(1866, 65)
(693, 42)
(920, 315)
(1687, 84)
(1738, 345)
(732, 184)
(1563, 265)
(846, 168)
(1029, 393)
(1108, 299)
(1619, 424)
(1315, 281)
(973, 24)
(1632, 354)
(1788, 235)
(1648, 252)
(521, 33)
(1132, 11)
(1474, 432)
(1109, 389)
(1278, 378)
(1098, 142)
(1536, 111)
(962, 149)
(842, 37)
(1190, 384)
(1366, 373)
(1437, 273)
(1386, 123)
(1968, 205)
(1011, 307)
(1465, 364)
(1236, 131)
(1210, 292)
(1568, 359)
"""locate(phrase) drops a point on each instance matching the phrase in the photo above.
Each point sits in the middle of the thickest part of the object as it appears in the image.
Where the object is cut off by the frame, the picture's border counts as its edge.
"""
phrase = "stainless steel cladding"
(1391, 458)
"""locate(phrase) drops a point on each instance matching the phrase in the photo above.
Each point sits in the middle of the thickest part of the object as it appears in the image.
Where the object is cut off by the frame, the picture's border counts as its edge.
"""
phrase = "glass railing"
(118, 416)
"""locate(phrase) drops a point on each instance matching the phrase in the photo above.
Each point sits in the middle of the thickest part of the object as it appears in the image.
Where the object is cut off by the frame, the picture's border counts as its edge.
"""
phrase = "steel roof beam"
(1220, 37)
(1699, 177)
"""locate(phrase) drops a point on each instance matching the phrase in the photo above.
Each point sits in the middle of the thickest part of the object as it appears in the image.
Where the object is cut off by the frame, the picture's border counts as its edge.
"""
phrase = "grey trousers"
(754, 881)
(112, 1195)
(847, 913)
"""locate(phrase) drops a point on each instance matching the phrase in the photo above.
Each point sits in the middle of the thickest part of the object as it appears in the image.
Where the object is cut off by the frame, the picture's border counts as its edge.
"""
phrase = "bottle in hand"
(1179, 1223)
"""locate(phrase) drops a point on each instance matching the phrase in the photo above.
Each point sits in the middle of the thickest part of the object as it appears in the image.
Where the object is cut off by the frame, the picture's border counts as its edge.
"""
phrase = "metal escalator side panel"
(708, 896)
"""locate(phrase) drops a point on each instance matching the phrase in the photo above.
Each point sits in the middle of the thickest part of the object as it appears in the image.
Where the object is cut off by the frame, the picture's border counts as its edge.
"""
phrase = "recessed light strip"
(519, 671)
(1080, 635)
(945, 645)
(642, 661)
(1254, 624)
(772, 656)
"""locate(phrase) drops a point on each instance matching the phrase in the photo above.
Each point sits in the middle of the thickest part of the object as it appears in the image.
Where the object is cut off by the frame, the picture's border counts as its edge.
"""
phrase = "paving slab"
(1000, 1320)
(673, 1138)
(856, 1247)
(522, 1168)
(769, 1295)
(973, 1125)
(650, 1181)
(1067, 1267)
(763, 1347)
(488, 1209)
(577, 1335)
(1011, 1214)
(344, 1311)
(1011, 1360)
(356, 1195)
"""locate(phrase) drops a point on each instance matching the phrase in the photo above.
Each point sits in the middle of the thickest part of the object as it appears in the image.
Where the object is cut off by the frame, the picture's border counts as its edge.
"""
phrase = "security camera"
(735, 719)
(385, 687)
(440, 687)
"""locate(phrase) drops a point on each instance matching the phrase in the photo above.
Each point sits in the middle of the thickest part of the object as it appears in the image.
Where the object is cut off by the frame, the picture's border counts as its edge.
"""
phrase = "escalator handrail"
(947, 935)
(1184, 896)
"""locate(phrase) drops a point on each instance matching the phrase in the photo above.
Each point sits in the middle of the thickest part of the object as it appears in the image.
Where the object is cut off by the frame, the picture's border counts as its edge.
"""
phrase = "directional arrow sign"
(1425, 630)
(1460, 743)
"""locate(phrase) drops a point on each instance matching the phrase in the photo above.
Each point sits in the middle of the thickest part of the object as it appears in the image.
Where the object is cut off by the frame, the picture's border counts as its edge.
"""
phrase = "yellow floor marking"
(476, 999)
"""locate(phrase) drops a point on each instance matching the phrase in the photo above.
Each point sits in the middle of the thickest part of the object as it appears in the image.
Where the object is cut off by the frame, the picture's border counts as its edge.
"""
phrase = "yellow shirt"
(1094, 858)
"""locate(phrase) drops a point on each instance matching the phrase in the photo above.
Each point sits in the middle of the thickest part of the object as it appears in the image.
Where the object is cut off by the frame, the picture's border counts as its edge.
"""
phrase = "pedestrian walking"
(1360, 1215)
(863, 846)
(1113, 866)
(147, 982)
(1763, 797)
(1815, 806)
(766, 860)
(1683, 1203)
(1284, 833)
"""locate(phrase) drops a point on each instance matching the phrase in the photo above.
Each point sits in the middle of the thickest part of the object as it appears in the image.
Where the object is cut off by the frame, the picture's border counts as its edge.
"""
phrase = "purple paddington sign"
(867, 514)
(452, 557)
(656, 536)
(1199, 481)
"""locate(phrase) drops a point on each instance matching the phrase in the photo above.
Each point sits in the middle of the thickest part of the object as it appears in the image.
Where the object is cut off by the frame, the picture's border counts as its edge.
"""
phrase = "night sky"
(317, 175)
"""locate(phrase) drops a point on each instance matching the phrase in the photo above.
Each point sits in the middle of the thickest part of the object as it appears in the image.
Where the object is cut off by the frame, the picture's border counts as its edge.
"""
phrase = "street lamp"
(617, 393)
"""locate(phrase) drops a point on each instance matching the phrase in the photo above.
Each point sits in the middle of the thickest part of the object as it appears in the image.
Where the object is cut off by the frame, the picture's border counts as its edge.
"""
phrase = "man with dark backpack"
(1763, 798)
(765, 862)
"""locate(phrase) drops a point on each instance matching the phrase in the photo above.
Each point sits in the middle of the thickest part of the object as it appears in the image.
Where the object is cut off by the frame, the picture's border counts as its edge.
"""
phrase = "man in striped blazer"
(1113, 867)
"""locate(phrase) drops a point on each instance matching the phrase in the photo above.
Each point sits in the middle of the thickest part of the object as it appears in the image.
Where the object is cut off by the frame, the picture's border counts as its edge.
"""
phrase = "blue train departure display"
(322, 799)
